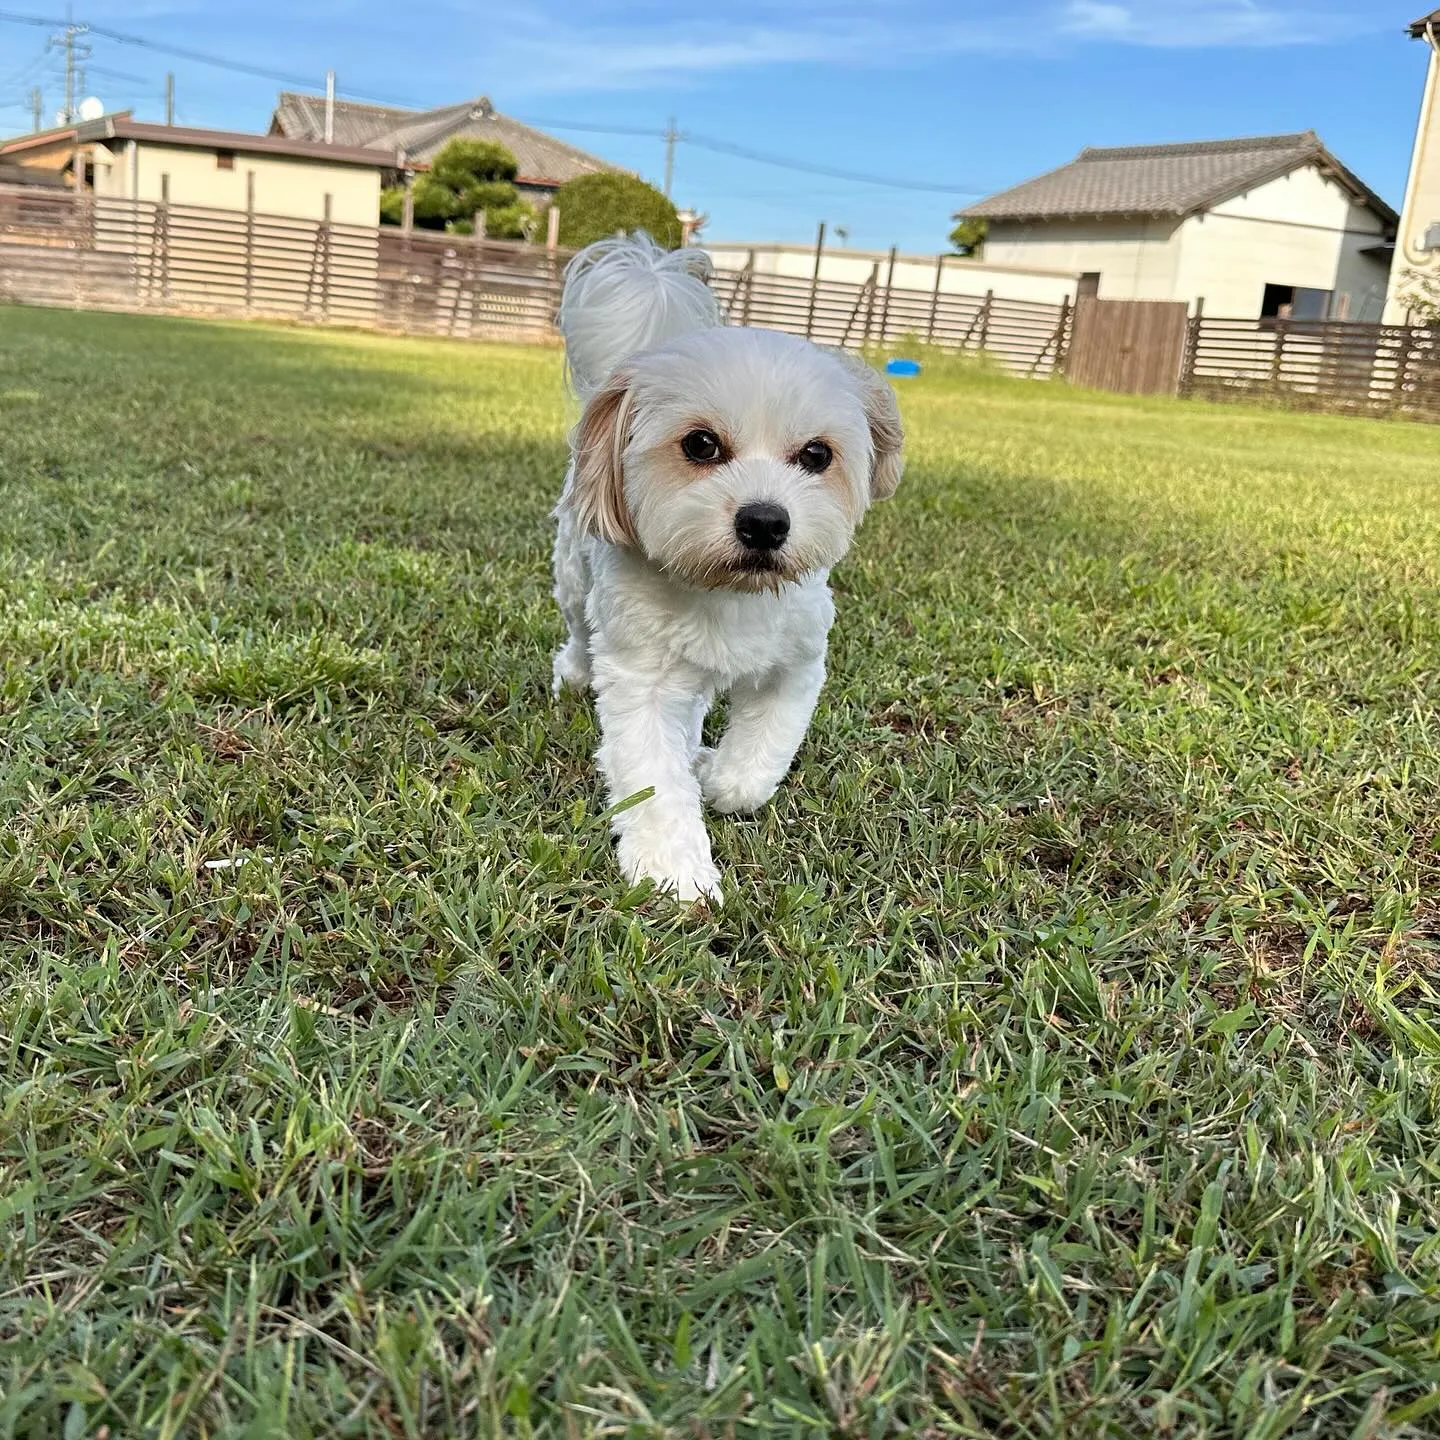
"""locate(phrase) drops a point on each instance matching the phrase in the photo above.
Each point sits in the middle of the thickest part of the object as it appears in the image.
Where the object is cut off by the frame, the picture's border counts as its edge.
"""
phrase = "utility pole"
(76, 54)
(170, 98)
(329, 107)
(671, 136)
(37, 108)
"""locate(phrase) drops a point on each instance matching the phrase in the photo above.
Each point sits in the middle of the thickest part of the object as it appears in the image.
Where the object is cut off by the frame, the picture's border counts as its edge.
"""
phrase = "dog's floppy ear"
(597, 492)
(886, 433)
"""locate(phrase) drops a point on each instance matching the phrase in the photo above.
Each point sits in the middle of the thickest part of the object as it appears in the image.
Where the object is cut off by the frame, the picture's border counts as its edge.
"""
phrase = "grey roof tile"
(1173, 180)
(422, 133)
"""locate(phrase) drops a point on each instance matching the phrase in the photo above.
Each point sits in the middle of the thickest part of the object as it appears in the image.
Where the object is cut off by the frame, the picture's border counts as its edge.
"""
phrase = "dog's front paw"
(728, 792)
(571, 668)
(687, 878)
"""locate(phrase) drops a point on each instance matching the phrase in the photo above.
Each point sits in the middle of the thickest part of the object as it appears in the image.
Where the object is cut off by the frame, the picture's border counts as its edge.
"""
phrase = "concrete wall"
(1303, 230)
(1137, 259)
(133, 170)
(912, 272)
(1422, 198)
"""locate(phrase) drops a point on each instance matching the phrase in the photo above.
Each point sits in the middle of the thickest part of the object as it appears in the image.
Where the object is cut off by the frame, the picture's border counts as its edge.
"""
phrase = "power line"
(180, 52)
(761, 157)
(596, 129)
(670, 135)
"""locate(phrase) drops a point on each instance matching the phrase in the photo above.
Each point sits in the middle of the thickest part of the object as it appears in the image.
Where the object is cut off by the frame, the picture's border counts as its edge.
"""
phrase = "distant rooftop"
(1167, 180)
(1424, 24)
(541, 159)
(123, 126)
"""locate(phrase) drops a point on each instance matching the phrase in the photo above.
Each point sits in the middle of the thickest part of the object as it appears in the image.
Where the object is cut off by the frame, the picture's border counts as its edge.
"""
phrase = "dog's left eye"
(703, 447)
(814, 457)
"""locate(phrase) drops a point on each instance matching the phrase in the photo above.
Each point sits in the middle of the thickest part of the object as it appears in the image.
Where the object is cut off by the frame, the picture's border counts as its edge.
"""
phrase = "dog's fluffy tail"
(625, 295)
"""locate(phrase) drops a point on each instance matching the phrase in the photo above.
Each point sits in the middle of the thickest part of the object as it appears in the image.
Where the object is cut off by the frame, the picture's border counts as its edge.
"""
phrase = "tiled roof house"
(543, 162)
(1261, 226)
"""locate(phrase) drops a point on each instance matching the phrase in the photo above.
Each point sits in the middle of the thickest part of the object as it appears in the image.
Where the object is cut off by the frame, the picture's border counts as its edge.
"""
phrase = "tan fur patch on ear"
(887, 434)
(597, 493)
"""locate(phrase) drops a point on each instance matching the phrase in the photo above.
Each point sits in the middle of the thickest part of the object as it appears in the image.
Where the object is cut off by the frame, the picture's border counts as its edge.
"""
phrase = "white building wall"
(134, 170)
(1422, 200)
(1303, 229)
(912, 272)
(1136, 259)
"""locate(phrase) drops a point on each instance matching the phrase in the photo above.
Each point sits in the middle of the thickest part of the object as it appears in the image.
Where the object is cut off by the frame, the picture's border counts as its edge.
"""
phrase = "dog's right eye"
(702, 447)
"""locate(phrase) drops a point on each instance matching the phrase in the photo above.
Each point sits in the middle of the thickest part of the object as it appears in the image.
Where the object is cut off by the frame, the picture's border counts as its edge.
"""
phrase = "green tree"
(1419, 293)
(466, 177)
(968, 237)
(594, 206)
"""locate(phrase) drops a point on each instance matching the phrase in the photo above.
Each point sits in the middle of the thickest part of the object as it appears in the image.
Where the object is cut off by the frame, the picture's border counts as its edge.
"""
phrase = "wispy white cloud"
(571, 45)
(1218, 23)
(646, 45)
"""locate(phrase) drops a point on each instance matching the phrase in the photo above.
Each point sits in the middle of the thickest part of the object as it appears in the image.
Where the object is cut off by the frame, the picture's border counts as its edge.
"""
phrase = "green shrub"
(594, 206)
(466, 177)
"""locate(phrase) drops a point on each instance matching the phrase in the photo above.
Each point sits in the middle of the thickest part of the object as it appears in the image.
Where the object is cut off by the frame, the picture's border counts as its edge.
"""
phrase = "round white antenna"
(91, 108)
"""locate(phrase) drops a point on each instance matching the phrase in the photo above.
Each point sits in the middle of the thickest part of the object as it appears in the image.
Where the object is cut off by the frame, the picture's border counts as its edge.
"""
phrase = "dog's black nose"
(762, 527)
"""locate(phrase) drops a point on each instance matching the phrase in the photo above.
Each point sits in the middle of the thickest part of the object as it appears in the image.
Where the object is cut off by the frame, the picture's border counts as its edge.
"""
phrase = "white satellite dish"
(91, 108)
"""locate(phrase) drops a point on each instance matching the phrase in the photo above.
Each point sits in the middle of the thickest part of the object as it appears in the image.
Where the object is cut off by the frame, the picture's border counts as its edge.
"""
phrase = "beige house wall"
(1422, 198)
(1136, 259)
(283, 185)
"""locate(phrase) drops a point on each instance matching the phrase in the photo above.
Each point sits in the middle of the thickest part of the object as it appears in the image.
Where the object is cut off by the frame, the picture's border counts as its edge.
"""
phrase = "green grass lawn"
(1066, 1063)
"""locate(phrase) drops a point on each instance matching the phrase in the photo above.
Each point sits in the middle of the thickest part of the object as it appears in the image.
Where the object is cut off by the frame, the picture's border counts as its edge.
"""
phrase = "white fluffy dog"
(717, 475)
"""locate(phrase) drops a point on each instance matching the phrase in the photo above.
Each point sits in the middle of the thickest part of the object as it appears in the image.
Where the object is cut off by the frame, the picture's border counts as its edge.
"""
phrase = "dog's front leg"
(769, 716)
(650, 724)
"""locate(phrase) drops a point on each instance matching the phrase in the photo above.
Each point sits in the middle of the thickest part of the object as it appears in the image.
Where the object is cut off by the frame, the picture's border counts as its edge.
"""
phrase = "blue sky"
(965, 95)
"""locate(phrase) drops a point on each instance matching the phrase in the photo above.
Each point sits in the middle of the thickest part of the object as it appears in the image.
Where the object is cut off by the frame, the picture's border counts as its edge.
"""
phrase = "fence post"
(815, 279)
(83, 242)
(748, 279)
(249, 240)
(324, 238)
(1194, 332)
(985, 312)
(935, 298)
(872, 285)
(1063, 332)
(885, 304)
(1277, 363)
(162, 237)
(407, 259)
(1402, 369)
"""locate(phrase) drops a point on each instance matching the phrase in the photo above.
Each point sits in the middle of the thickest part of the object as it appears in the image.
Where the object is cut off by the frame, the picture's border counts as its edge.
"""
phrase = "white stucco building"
(1260, 227)
(117, 157)
(1417, 245)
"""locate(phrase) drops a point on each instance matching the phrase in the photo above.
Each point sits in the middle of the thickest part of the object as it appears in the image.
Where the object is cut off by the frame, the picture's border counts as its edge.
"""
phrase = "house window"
(1296, 302)
(1277, 302)
(224, 159)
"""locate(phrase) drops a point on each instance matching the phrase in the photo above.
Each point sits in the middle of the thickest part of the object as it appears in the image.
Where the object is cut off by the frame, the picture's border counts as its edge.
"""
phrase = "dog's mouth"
(757, 570)
(747, 571)
(758, 562)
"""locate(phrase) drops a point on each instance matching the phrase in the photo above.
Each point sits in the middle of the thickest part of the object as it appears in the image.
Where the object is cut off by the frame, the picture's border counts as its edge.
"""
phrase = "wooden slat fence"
(57, 248)
(97, 253)
(1380, 370)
